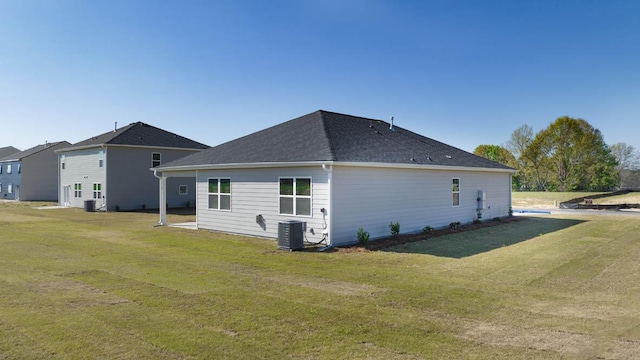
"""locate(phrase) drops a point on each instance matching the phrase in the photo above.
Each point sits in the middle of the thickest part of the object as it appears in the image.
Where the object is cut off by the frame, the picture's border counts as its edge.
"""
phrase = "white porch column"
(163, 200)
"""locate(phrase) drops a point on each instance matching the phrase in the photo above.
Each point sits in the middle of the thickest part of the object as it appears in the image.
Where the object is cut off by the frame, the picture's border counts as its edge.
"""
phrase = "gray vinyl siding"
(40, 175)
(256, 191)
(131, 184)
(14, 179)
(373, 197)
(81, 166)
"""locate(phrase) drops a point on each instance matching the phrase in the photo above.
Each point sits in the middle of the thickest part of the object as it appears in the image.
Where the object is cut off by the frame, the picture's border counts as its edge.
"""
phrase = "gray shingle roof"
(329, 136)
(140, 134)
(7, 150)
(36, 149)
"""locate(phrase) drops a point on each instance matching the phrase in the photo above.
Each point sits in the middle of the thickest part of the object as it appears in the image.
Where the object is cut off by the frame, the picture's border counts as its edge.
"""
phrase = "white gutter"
(84, 147)
(332, 163)
(329, 170)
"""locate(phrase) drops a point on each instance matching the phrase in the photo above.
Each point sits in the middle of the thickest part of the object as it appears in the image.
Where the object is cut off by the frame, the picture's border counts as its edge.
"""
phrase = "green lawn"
(543, 199)
(77, 285)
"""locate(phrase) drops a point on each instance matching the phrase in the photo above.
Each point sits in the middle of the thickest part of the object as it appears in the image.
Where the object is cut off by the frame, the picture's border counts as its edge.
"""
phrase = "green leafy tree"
(575, 154)
(496, 153)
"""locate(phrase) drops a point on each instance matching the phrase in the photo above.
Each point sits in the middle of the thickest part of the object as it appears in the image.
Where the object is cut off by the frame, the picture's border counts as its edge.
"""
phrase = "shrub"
(394, 228)
(363, 236)
(477, 221)
(454, 225)
(427, 229)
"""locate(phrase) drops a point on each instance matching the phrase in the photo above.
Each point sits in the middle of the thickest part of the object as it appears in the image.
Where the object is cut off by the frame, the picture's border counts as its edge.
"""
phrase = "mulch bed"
(390, 241)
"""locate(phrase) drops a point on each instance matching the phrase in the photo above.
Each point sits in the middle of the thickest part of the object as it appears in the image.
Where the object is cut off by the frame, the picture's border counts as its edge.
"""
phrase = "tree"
(576, 154)
(628, 161)
(520, 140)
(496, 153)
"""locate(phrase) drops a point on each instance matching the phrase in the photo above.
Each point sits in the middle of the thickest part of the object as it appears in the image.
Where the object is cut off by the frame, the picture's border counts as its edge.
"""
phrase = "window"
(77, 190)
(156, 159)
(0, 168)
(19, 168)
(10, 189)
(295, 196)
(97, 191)
(183, 190)
(456, 191)
(0, 187)
(101, 158)
(219, 194)
(8, 168)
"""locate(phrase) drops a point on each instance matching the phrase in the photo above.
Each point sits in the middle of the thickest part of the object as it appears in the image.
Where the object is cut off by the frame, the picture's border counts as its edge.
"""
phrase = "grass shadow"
(469, 243)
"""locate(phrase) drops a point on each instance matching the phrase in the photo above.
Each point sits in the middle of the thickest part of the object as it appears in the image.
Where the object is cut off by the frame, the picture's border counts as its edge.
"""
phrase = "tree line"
(568, 155)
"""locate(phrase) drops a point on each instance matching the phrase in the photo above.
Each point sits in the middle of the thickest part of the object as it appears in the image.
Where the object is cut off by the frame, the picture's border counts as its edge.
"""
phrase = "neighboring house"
(338, 173)
(7, 150)
(31, 174)
(113, 169)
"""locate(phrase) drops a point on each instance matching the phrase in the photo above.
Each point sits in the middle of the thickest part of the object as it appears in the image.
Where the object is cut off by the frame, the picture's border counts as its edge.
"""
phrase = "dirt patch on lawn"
(76, 294)
(390, 241)
(532, 338)
(327, 285)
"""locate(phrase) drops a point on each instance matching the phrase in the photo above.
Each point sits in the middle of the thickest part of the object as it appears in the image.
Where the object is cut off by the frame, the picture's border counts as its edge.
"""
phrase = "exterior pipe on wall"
(329, 170)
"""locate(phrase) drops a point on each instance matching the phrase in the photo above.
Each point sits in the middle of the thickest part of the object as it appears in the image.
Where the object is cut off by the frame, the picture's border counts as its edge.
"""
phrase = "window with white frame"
(455, 189)
(62, 161)
(156, 159)
(101, 158)
(183, 190)
(295, 196)
(97, 191)
(77, 190)
(9, 170)
(19, 168)
(10, 188)
(0, 168)
(219, 191)
(0, 187)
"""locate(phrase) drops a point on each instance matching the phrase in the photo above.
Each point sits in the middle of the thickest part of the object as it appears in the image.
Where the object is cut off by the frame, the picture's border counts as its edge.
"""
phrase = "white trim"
(153, 160)
(85, 147)
(94, 191)
(294, 196)
(219, 193)
(455, 192)
(320, 163)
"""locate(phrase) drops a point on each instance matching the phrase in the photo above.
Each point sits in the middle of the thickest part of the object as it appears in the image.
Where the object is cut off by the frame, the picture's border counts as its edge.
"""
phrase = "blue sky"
(462, 72)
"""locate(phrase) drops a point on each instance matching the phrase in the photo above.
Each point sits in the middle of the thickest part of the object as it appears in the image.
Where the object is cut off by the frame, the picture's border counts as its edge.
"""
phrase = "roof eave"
(334, 163)
(104, 145)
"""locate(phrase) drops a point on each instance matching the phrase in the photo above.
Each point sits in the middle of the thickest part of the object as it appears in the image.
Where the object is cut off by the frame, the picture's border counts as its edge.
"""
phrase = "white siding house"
(338, 173)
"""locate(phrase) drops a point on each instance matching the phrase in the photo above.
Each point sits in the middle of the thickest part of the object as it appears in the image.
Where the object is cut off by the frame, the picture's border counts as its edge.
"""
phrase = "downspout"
(329, 170)
(106, 173)
(162, 202)
(60, 191)
(510, 194)
(196, 202)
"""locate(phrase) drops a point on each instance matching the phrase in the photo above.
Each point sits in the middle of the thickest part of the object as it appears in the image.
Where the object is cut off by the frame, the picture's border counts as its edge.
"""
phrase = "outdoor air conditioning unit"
(290, 235)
